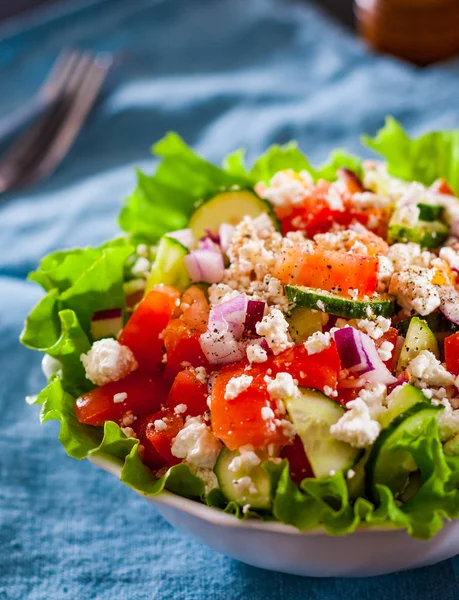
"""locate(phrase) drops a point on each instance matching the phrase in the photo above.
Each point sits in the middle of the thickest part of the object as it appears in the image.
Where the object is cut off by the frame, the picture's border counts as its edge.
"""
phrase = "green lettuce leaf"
(424, 159)
(289, 156)
(165, 200)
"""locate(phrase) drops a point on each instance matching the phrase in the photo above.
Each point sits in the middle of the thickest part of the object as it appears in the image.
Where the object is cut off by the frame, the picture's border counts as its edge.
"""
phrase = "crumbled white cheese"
(282, 386)
(237, 385)
(317, 342)
(451, 256)
(334, 200)
(407, 255)
(287, 188)
(364, 200)
(350, 474)
(197, 444)
(256, 354)
(267, 413)
(385, 272)
(385, 351)
(128, 432)
(329, 391)
(274, 328)
(128, 419)
(430, 370)
(448, 421)
(356, 427)
(108, 361)
(142, 250)
(208, 477)
(408, 215)
(159, 425)
(180, 409)
(120, 397)
(200, 373)
(50, 366)
(374, 396)
(245, 485)
(375, 328)
(245, 461)
(141, 266)
(414, 290)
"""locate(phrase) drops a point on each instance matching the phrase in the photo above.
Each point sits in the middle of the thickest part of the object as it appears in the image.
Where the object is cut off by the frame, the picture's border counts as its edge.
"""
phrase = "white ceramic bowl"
(277, 547)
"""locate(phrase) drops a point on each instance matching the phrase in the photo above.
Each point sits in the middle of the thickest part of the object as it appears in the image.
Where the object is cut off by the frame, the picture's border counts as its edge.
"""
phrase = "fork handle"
(24, 116)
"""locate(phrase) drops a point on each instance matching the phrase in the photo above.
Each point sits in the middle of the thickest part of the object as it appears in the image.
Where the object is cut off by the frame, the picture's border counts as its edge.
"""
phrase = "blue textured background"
(223, 73)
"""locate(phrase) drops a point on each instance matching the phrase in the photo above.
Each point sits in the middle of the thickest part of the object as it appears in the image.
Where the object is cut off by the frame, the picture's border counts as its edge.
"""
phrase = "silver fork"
(71, 91)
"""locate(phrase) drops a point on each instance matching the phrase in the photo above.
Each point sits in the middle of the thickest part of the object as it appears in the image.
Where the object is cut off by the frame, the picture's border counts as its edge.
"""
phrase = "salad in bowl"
(280, 343)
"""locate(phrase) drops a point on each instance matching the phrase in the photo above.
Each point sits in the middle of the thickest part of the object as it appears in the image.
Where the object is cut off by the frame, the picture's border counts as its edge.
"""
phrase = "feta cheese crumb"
(121, 397)
(245, 509)
(128, 432)
(350, 474)
(107, 361)
(414, 290)
(374, 396)
(329, 391)
(356, 427)
(160, 425)
(283, 386)
(197, 444)
(200, 373)
(375, 328)
(429, 370)
(317, 342)
(180, 409)
(141, 266)
(245, 461)
(274, 328)
(244, 485)
(256, 353)
(267, 413)
(385, 351)
(208, 477)
(237, 385)
(451, 256)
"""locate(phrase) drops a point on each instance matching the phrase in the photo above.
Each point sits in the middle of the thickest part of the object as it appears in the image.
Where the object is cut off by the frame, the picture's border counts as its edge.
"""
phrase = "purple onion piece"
(255, 313)
(184, 236)
(229, 316)
(450, 304)
(204, 265)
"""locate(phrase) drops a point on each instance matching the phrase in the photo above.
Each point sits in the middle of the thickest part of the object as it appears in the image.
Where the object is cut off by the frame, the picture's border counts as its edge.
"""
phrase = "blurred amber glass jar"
(421, 31)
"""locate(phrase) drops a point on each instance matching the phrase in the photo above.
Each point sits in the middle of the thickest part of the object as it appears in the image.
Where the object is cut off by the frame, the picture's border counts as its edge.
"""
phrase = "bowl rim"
(218, 517)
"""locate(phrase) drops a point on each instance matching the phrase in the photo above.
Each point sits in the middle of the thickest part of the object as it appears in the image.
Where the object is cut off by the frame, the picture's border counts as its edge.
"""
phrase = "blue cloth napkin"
(223, 73)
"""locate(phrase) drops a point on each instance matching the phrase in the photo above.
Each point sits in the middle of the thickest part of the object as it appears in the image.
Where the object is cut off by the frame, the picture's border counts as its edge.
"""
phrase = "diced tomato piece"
(145, 393)
(182, 347)
(162, 439)
(150, 456)
(239, 421)
(310, 370)
(336, 272)
(299, 465)
(142, 332)
(346, 394)
(452, 353)
(181, 336)
(390, 336)
(442, 187)
(188, 390)
(171, 292)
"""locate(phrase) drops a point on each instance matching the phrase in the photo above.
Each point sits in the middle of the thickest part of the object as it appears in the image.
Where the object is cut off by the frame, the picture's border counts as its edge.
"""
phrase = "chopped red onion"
(221, 348)
(403, 378)
(204, 265)
(229, 316)
(225, 234)
(255, 313)
(184, 236)
(106, 323)
(207, 243)
(450, 304)
(258, 342)
(213, 236)
(359, 355)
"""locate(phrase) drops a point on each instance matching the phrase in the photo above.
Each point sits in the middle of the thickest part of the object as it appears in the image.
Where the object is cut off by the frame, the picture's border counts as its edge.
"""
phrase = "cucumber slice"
(169, 267)
(339, 306)
(451, 448)
(418, 337)
(229, 207)
(429, 212)
(436, 321)
(428, 234)
(393, 467)
(406, 397)
(313, 414)
(226, 478)
(302, 323)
